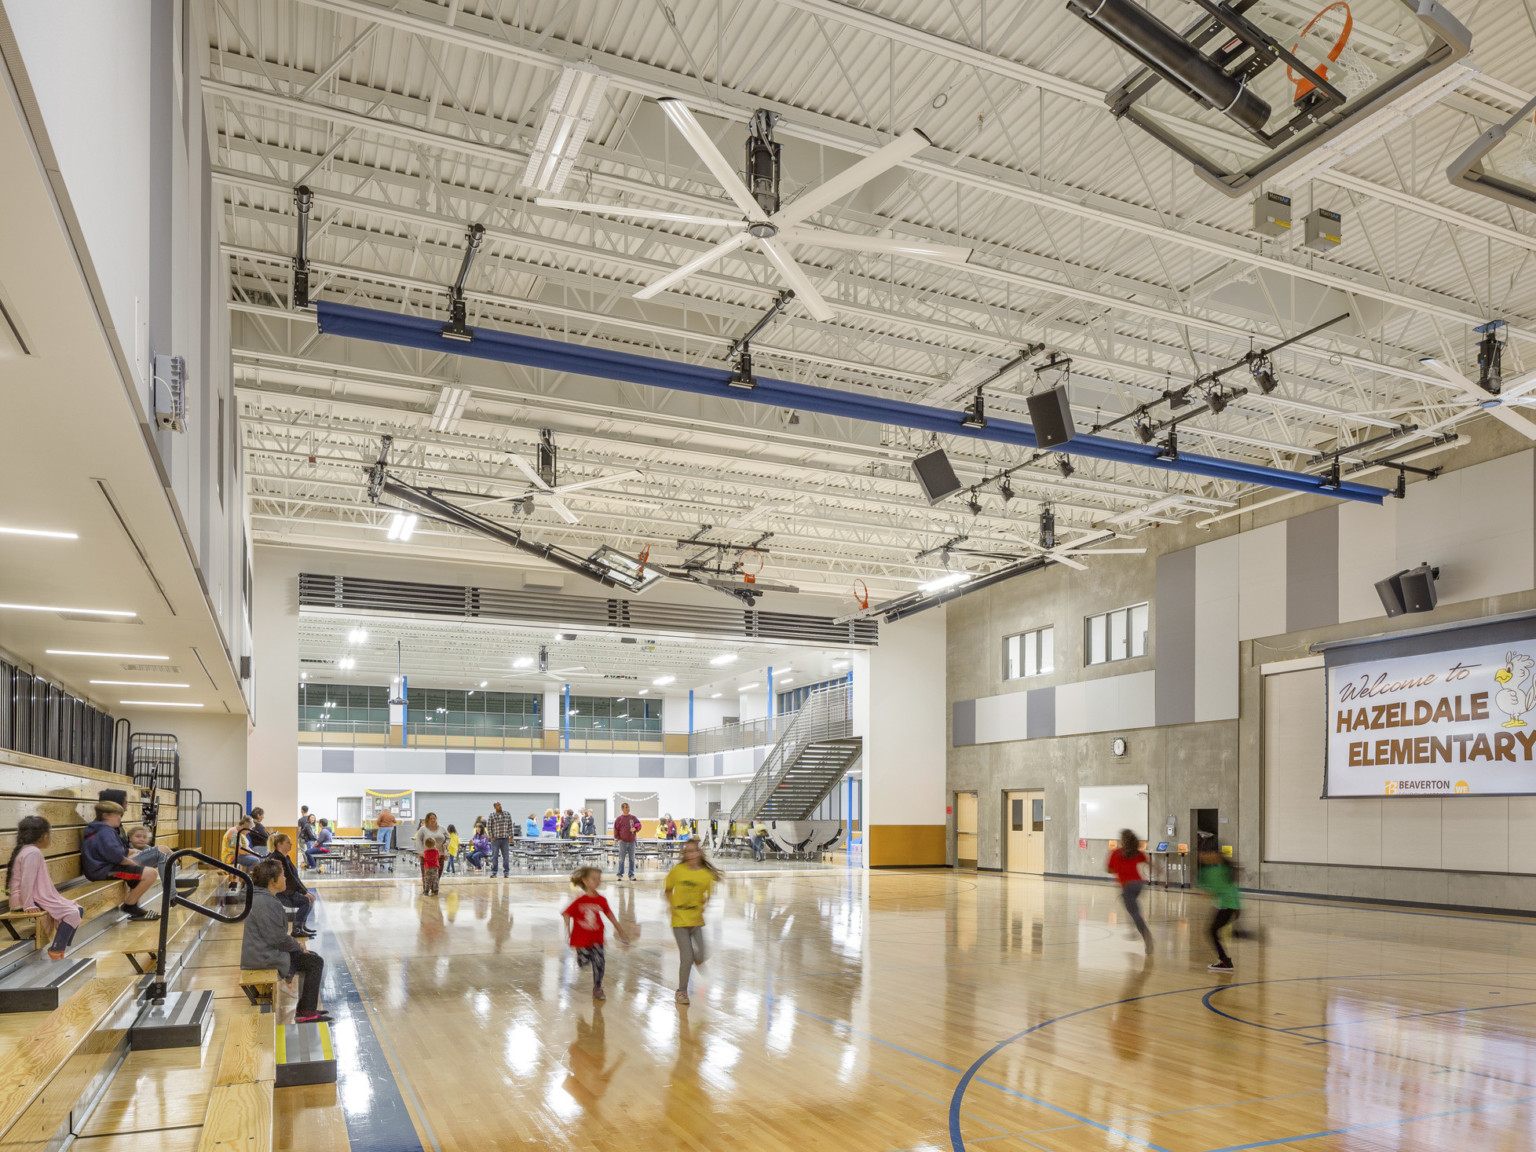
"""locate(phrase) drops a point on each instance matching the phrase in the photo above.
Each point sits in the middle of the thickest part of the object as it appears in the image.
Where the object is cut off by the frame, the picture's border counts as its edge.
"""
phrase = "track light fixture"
(1401, 491)
(1047, 528)
(1170, 447)
(1263, 373)
(1216, 401)
(1177, 397)
(1334, 479)
(973, 503)
(741, 375)
(305, 200)
(1067, 467)
(1005, 488)
(1145, 430)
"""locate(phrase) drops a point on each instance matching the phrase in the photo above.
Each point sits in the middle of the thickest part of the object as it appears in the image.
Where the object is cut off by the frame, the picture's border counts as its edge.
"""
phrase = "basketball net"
(1525, 163)
(1324, 47)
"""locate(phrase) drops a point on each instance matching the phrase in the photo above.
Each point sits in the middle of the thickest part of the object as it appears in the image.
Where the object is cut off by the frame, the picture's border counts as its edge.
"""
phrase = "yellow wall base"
(893, 845)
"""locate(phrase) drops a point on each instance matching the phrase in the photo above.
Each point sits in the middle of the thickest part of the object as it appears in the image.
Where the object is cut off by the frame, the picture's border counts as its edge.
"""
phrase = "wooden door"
(1025, 822)
(965, 829)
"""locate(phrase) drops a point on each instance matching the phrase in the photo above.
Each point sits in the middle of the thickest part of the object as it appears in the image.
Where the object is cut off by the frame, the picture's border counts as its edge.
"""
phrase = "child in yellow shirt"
(688, 889)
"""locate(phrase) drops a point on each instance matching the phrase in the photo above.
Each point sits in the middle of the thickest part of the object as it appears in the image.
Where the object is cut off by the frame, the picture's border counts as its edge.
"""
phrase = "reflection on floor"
(912, 1010)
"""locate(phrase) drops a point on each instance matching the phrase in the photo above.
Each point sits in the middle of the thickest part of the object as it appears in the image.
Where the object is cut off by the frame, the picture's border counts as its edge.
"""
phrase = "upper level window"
(1117, 635)
(1029, 654)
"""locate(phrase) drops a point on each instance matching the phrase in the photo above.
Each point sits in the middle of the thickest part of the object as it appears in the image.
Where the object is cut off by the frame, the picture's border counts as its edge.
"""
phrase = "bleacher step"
(182, 1021)
(44, 985)
(305, 1055)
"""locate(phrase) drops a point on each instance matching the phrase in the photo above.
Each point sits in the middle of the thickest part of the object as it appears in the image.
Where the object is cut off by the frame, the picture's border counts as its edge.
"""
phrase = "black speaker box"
(1050, 412)
(1418, 584)
(1391, 592)
(936, 475)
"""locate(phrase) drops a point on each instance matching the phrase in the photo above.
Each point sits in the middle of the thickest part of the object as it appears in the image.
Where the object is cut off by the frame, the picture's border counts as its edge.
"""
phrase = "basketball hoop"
(1324, 42)
(861, 594)
(749, 564)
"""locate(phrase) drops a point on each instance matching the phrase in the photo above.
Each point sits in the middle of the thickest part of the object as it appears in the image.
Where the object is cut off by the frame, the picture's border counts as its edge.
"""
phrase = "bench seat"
(95, 898)
(260, 986)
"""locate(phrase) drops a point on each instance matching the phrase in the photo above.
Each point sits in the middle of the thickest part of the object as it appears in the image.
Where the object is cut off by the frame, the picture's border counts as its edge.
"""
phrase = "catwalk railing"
(826, 715)
(532, 737)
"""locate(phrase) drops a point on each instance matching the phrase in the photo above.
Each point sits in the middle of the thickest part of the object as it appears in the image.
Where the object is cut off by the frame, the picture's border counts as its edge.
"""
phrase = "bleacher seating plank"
(160, 1140)
(250, 1048)
(41, 1056)
(239, 1118)
(259, 985)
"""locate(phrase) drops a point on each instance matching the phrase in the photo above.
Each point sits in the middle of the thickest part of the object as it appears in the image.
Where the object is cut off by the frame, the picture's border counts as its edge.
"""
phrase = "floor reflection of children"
(588, 1056)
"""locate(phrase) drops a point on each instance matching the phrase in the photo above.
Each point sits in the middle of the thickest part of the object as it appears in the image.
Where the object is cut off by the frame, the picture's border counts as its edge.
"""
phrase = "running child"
(1125, 861)
(687, 889)
(1218, 876)
(584, 925)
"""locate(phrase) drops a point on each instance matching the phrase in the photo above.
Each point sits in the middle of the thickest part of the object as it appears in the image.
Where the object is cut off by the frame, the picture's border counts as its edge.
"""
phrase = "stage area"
(918, 1010)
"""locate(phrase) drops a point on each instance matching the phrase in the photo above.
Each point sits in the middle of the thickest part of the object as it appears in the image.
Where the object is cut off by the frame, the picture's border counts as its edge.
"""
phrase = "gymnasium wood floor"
(913, 1010)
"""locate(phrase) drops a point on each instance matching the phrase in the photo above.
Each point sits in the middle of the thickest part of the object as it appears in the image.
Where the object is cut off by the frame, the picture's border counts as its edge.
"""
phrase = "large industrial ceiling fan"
(773, 228)
(543, 479)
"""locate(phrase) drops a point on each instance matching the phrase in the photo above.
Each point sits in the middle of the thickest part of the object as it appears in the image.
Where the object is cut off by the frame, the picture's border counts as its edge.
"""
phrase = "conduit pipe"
(556, 356)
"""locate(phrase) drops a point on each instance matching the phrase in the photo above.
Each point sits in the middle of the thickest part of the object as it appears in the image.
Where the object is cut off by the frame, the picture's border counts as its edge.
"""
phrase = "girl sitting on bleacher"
(32, 887)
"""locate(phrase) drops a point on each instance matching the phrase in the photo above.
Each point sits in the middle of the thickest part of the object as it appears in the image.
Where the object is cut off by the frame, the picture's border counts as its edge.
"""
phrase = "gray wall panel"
(1040, 712)
(546, 764)
(460, 763)
(1174, 629)
(336, 760)
(1312, 570)
(963, 727)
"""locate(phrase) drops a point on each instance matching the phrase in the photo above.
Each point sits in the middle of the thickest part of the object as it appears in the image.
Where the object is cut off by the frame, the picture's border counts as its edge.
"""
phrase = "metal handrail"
(826, 715)
(169, 898)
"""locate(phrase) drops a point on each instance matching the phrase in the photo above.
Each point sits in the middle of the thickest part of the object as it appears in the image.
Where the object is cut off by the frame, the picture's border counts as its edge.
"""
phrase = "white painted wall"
(212, 748)
(272, 750)
(88, 62)
(899, 710)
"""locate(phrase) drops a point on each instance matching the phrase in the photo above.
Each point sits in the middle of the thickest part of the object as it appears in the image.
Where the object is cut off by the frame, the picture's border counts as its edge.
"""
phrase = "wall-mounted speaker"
(245, 667)
(1050, 412)
(1419, 594)
(936, 475)
(1411, 590)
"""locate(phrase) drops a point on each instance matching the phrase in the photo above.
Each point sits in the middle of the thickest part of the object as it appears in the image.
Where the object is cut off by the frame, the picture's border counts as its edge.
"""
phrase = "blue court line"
(1375, 1124)
(385, 1124)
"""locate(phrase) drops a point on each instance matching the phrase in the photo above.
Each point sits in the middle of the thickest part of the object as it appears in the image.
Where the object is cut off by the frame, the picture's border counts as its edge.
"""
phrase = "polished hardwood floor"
(912, 1010)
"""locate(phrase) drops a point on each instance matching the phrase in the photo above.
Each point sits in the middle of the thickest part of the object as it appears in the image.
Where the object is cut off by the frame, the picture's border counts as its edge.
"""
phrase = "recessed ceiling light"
(303, 675)
(107, 655)
(401, 525)
(357, 636)
(663, 681)
(483, 683)
(72, 611)
(523, 662)
(141, 683)
(787, 680)
(839, 663)
(943, 582)
(644, 691)
(786, 668)
(723, 659)
(717, 695)
(159, 704)
(749, 687)
(39, 532)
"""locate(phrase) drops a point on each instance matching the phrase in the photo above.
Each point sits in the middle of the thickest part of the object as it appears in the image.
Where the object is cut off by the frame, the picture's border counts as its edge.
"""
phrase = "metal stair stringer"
(807, 761)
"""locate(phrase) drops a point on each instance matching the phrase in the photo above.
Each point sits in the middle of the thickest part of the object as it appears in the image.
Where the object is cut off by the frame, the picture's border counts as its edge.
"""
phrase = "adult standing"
(588, 822)
(625, 830)
(306, 826)
(384, 828)
(431, 839)
(499, 827)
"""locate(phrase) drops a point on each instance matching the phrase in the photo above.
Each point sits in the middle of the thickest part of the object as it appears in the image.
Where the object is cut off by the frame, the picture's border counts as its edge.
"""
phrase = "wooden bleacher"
(60, 1070)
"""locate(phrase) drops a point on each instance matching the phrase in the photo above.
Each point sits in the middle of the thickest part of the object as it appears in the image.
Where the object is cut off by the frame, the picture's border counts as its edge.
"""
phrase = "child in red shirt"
(431, 869)
(584, 925)
(1125, 861)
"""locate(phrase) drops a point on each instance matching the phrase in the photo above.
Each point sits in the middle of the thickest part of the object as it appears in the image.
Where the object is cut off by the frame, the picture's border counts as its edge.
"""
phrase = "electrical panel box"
(1325, 230)
(1272, 214)
(170, 393)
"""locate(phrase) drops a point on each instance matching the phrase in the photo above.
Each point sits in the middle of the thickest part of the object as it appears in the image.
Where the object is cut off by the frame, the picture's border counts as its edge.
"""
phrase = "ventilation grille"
(529, 606)
(171, 668)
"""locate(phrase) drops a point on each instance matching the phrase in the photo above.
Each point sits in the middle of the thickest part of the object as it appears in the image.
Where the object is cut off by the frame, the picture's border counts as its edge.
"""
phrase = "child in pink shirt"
(32, 888)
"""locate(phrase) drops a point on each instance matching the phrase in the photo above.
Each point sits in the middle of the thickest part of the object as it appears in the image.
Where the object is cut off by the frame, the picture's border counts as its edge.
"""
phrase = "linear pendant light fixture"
(557, 356)
(572, 109)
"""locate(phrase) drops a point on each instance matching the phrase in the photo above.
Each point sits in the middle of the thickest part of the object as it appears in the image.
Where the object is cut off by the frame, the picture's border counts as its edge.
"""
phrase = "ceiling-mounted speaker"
(1050, 412)
(1418, 584)
(936, 475)
(1391, 592)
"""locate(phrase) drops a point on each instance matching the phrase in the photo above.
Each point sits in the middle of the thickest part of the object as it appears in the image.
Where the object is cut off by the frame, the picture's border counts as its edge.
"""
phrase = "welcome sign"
(1433, 716)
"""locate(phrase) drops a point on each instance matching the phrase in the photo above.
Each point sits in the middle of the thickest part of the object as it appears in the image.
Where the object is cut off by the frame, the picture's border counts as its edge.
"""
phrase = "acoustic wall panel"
(1174, 624)
(1312, 570)
(1476, 525)
(1410, 832)
(1474, 834)
(1000, 718)
(1295, 814)
(1261, 581)
(1367, 553)
(1216, 629)
(1071, 709)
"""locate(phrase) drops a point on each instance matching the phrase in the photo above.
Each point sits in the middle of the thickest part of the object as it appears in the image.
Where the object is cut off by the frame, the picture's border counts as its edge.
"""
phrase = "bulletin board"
(1103, 810)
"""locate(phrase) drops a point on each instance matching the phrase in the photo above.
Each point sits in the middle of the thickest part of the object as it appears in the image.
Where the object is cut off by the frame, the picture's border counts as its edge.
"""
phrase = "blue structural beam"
(557, 356)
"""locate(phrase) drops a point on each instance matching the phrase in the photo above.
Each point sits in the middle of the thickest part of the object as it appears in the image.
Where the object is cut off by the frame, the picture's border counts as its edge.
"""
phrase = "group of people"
(1218, 875)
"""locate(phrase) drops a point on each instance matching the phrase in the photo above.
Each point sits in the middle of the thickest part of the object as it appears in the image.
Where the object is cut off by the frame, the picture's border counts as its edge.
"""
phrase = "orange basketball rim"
(1303, 85)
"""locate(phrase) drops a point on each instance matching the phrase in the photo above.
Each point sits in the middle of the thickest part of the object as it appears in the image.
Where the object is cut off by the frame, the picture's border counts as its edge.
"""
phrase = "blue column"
(405, 711)
(690, 711)
(565, 720)
(770, 693)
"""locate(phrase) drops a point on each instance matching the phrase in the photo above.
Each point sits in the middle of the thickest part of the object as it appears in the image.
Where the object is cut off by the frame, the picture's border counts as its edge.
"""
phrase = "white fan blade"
(795, 276)
(724, 171)
(1063, 558)
(559, 506)
(898, 151)
(1103, 552)
(528, 471)
(725, 248)
(498, 500)
(1472, 392)
(561, 489)
(636, 213)
(1520, 387)
(885, 245)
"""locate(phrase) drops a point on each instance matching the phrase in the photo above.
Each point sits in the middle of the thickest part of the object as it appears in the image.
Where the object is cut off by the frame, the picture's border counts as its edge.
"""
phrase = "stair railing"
(169, 898)
(826, 715)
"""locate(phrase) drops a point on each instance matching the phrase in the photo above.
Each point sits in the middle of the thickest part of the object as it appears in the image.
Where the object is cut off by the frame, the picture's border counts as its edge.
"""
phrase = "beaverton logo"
(1391, 787)
(1461, 786)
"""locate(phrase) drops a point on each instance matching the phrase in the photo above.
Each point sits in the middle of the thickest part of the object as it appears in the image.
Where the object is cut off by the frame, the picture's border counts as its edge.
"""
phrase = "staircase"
(814, 752)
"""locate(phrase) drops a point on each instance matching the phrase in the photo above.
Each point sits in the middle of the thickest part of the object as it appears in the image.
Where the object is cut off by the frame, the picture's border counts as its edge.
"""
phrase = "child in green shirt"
(1218, 876)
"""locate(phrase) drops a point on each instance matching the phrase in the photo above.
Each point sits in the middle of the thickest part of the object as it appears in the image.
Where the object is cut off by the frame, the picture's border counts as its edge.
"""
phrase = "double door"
(1024, 819)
